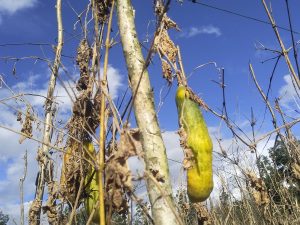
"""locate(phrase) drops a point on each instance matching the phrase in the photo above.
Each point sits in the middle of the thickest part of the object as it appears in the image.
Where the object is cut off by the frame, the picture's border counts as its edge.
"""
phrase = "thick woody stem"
(43, 154)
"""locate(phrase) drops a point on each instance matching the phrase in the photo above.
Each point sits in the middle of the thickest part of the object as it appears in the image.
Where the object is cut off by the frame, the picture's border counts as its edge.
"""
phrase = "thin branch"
(34, 213)
(101, 154)
(22, 179)
(284, 51)
(293, 39)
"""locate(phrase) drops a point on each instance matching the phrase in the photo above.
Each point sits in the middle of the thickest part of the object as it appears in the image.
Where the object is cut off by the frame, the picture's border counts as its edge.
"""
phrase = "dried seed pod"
(197, 139)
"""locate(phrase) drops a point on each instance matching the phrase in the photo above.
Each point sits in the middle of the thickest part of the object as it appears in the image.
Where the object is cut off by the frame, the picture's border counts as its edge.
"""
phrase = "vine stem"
(101, 155)
(35, 209)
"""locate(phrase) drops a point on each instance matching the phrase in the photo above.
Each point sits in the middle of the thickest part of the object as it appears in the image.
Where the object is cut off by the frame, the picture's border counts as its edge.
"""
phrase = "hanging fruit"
(196, 138)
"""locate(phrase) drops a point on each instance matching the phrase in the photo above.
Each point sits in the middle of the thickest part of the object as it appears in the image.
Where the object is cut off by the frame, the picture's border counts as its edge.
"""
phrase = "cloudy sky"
(207, 35)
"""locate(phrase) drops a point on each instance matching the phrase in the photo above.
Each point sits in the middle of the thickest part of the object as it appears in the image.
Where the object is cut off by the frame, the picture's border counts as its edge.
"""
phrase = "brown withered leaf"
(130, 143)
(84, 54)
(166, 46)
(167, 71)
(202, 213)
(296, 170)
(258, 189)
(117, 198)
(19, 117)
(27, 126)
(103, 7)
(188, 160)
(34, 210)
(118, 175)
(169, 23)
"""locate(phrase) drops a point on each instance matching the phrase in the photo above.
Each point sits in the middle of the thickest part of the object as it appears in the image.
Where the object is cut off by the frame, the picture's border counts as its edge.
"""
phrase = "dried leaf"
(166, 46)
(167, 71)
(84, 54)
(27, 126)
(296, 170)
(202, 213)
(258, 189)
(118, 175)
(188, 160)
(19, 117)
(130, 143)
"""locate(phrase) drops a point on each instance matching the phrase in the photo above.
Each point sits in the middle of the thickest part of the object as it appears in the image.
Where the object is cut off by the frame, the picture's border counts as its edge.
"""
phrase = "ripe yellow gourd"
(92, 188)
(199, 176)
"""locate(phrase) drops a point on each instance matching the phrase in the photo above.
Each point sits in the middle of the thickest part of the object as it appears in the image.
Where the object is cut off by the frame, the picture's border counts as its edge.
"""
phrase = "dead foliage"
(203, 214)
(188, 160)
(118, 176)
(19, 117)
(34, 209)
(258, 189)
(166, 46)
(71, 173)
(296, 170)
(167, 71)
(103, 9)
(27, 125)
(51, 208)
(84, 54)
(83, 122)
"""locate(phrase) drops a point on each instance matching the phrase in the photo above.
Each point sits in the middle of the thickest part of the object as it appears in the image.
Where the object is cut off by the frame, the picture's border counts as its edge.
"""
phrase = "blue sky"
(207, 35)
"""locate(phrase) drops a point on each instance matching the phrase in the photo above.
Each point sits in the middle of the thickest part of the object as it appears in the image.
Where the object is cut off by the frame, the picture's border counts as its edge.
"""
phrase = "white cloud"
(289, 98)
(12, 153)
(12, 6)
(194, 31)
(114, 79)
(14, 213)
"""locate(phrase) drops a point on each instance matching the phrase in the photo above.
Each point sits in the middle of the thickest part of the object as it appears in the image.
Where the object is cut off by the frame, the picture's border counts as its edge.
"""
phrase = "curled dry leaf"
(258, 189)
(202, 213)
(34, 210)
(168, 23)
(84, 54)
(296, 170)
(166, 46)
(27, 126)
(188, 160)
(118, 175)
(71, 173)
(19, 117)
(103, 9)
(167, 71)
(51, 207)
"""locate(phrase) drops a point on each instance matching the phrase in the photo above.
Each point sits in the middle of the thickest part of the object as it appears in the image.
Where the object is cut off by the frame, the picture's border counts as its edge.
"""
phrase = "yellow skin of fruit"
(199, 176)
(93, 186)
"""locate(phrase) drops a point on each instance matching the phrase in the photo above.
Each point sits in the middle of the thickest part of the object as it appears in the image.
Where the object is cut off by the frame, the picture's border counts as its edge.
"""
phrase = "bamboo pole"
(162, 204)
(101, 155)
(35, 209)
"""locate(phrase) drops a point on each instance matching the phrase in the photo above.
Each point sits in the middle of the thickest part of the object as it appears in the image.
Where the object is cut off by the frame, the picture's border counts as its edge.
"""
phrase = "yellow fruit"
(199, 176)
(92, 188)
